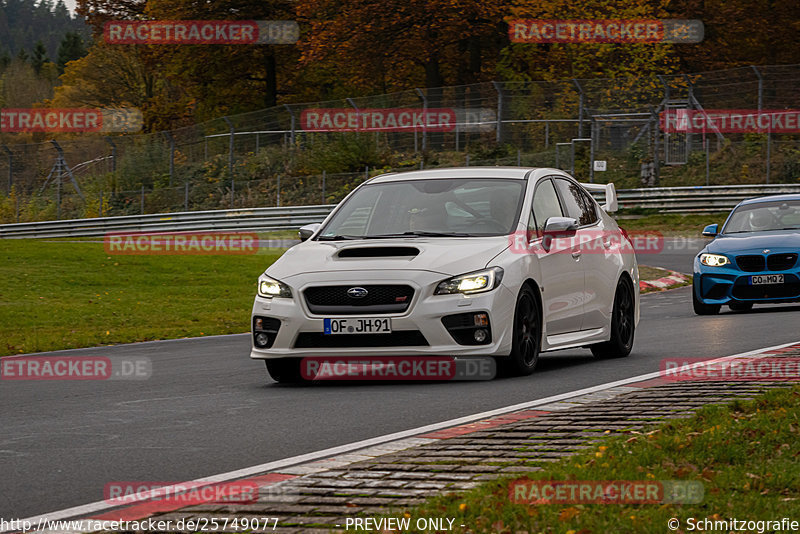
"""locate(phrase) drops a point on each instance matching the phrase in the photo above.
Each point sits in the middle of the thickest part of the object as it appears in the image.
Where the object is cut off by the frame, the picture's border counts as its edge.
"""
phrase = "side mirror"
(307, 231)
(711, 230)
(560, 226)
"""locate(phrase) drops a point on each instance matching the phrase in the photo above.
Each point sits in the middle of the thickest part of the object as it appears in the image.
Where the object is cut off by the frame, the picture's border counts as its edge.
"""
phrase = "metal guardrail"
(663, 199)
(697, 199)
(255, 219)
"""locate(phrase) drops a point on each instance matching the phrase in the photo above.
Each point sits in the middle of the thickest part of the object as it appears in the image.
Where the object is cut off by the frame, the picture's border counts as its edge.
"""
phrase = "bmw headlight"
(714, 260)
(269, 287)
(475, 282)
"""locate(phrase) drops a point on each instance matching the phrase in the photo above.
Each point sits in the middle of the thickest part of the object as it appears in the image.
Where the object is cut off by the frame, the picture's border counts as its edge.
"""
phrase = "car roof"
(771, 198)
(518, 173)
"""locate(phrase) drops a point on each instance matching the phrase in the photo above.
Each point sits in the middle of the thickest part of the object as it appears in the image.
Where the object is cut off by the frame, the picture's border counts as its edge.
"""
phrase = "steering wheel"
(491, 222)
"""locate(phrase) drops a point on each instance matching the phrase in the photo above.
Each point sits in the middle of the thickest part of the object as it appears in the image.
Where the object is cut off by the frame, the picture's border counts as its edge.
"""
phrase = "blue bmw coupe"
(753, 259)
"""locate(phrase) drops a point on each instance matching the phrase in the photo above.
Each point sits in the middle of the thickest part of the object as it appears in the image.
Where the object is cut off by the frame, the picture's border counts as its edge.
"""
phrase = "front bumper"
(723, 285)
(418, 331)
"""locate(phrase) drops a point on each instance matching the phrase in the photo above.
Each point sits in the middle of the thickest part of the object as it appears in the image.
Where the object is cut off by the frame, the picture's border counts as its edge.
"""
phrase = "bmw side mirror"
(307, 231)
(711, 230)
(560, 226)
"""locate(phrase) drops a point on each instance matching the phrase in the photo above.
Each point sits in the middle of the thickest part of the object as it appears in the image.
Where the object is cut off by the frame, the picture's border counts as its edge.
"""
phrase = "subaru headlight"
(714, 260)
(269, 288)
(475, 282)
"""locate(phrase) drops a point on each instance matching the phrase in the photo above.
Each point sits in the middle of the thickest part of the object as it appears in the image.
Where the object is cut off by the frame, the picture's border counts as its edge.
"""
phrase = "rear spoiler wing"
(611, 204)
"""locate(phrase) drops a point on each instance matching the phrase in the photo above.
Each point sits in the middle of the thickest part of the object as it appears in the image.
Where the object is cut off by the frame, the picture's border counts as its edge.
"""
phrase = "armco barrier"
(256, 219)
(714, 198)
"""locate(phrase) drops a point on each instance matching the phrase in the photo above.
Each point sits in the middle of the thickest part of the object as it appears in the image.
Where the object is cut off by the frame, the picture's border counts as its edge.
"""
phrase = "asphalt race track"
(209, 409)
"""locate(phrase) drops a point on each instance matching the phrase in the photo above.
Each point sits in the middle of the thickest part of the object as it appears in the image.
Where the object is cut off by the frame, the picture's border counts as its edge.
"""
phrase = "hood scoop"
(377, 252)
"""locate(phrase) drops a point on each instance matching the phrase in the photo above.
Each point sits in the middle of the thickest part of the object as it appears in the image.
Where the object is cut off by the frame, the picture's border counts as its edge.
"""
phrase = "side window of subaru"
(575, 202)
(545, 205)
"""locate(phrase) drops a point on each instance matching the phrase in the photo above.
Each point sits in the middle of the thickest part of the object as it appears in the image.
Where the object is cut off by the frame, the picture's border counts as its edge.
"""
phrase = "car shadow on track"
(548, 362)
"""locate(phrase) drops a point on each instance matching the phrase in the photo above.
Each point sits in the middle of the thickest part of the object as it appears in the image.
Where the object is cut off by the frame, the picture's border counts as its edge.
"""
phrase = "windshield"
(442, 207)
(764, 216)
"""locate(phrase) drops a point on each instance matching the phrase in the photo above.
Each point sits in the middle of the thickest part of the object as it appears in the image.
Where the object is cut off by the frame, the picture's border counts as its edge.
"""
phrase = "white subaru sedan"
(491, 261)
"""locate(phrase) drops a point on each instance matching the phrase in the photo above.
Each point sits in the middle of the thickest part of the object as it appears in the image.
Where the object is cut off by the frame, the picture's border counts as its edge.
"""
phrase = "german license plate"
(358, 326)
(766, 279)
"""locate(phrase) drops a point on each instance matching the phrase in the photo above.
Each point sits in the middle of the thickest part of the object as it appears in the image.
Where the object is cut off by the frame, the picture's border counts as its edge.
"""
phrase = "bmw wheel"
(701, 308)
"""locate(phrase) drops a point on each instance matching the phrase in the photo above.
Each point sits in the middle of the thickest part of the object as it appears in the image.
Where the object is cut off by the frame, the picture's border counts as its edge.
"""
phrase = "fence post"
(592, 131)
(466, 164)
(114, 154)
(100, 214)
(708, 162)
(769, 148)
(580, 107)
(171, 155)
(499, 127)
(654, 133)
(323, 186)
(141, 208)
(760, 87)
(292, 124)
(278, 199)
(424, 99)
(186, 196)
(690, 99)
(230, 155)
(546, 134)
(10, 167)
(519, 158)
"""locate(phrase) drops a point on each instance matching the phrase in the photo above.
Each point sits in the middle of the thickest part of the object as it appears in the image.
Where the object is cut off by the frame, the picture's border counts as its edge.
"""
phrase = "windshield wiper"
(418, 233)
(337, 237)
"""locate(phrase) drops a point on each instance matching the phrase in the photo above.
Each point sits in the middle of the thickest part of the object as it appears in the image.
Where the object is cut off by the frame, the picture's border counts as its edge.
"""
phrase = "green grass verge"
(59, 295)
(745, 454)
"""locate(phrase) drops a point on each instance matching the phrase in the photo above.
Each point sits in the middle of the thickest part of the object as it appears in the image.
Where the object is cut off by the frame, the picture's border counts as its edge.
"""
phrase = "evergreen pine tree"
(39, 56)
(70, 49)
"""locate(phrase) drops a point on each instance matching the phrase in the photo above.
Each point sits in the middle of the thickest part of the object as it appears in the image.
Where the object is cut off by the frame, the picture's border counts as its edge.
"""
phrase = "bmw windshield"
(765, 216)
(453, 207)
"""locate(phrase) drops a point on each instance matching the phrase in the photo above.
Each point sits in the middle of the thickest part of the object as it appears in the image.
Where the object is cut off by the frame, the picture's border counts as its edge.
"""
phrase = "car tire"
(701, 308)
(284, 370)
(623, 324)
(526, 337)
(740, 306)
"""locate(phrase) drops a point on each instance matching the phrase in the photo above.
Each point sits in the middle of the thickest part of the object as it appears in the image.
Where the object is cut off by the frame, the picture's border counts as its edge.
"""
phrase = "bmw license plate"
(358, 326)
(765, 279)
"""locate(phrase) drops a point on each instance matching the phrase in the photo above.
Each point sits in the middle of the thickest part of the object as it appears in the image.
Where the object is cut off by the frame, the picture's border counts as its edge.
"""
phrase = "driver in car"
(429, 218)
(761, 220)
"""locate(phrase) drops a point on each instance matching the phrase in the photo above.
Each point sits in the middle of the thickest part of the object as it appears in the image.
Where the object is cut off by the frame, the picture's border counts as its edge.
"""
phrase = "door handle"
(576, 254)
